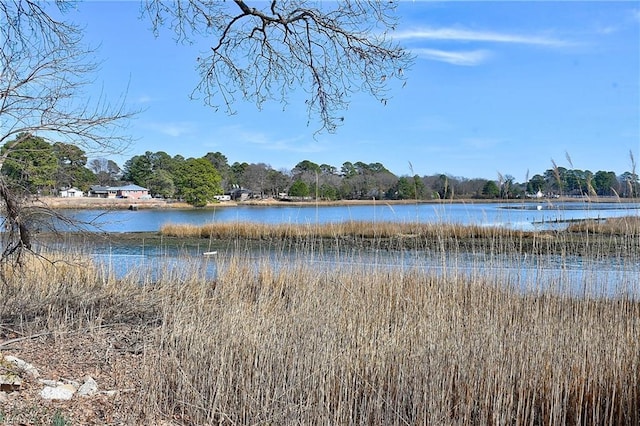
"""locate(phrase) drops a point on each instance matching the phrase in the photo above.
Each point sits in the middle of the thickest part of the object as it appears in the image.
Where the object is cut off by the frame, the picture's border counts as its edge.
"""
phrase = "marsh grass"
(628, 225)
(278, 339)
(433, 237)
(364, 229)
(63, 291)
(615, 237)
(357, 345)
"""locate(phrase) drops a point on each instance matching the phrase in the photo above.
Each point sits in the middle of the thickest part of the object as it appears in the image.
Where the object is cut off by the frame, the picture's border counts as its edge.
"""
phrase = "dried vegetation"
(287, 341)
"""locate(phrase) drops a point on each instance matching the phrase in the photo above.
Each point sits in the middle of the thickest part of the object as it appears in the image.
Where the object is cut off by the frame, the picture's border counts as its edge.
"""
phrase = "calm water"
(566, 274)
(581, 277)
(526, 216)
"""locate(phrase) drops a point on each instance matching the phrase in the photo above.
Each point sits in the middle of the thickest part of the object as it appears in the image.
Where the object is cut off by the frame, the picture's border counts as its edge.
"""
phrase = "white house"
(71, 193)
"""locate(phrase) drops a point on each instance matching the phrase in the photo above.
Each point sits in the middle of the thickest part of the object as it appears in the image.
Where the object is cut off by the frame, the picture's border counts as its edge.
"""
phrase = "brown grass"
(108, 203)
(616, 237)
(287, 341)
(363, 229)
(68, 291)
(385, 346)
(628, 225)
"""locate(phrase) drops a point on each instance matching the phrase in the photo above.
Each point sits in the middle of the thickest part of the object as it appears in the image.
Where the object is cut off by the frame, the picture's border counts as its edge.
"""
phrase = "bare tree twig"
(328, 50)
(44, 71)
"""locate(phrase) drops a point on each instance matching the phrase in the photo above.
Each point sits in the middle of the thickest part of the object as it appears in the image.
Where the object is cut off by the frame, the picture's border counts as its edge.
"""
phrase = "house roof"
(131, 187)
(100, 188)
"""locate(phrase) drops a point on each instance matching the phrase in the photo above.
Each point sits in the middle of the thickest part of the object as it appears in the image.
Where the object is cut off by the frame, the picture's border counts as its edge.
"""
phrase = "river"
(604, 277)
(525, 216)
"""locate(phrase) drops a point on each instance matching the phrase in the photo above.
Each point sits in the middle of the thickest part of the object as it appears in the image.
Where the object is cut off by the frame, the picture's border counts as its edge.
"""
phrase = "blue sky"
(497, 87)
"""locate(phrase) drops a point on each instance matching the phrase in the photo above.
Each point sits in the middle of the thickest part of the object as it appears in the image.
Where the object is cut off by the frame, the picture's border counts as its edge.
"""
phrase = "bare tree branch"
(266, 52)
(259, 52)
(44, 73)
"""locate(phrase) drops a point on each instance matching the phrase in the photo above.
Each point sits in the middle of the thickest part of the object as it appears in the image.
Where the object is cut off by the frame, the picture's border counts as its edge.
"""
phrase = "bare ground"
(112, 356)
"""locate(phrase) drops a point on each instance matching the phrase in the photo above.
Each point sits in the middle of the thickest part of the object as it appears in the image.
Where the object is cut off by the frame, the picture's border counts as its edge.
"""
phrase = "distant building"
(132, 191)
(240, 194)
(128, 191)
(99, 191)
(71, 193)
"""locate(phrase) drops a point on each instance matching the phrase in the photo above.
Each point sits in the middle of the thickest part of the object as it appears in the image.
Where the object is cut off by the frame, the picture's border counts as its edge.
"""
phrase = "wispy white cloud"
(264, 141)
(466, 58)
(633, 18)
(172, 129)
(458, 34)
(144, 99)
(296, 145)
(606, 30)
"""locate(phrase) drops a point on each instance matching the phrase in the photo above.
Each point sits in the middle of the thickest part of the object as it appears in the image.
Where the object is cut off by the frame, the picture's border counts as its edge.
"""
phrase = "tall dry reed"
(628, 225)
(297, 344)
(364, 229)
(65, 291)
(294, 338)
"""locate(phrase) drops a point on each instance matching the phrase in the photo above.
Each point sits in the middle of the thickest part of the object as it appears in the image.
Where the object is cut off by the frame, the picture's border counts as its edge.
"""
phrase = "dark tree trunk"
(18, 233)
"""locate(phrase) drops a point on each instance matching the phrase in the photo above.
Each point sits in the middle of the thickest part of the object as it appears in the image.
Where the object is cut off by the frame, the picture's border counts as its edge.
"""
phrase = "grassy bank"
(618, 237)
(377, 346)
(124, 203)
(287, 341)
(629, 225)
(91, 203)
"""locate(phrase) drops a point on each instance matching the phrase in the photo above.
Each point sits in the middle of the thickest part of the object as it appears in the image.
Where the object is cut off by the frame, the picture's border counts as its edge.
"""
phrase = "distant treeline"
(44, 168)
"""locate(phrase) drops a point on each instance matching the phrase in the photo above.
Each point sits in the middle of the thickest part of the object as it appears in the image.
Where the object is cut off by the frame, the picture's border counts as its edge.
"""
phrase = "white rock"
(21, 365)
(52, 383)
(88, 388)
(72, 383)
(64, 392)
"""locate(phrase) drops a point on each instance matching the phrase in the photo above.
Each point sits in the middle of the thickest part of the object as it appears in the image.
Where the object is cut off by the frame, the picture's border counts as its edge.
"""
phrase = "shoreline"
(125, 203)
(583, 240)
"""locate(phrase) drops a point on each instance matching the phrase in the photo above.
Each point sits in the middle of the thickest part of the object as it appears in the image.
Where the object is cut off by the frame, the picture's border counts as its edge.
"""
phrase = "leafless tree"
(255, 178)
(263, 51)
(258, 52)
(107, 171)
(44, 69)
